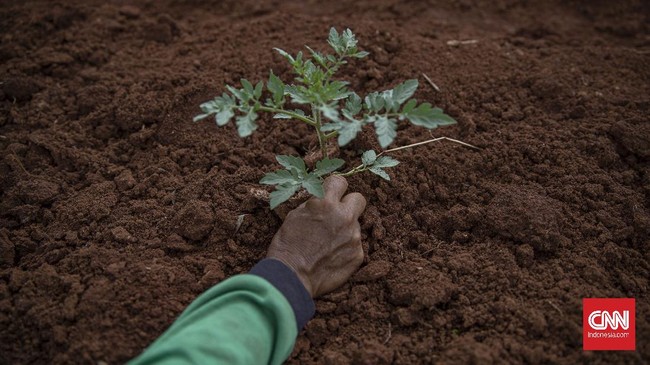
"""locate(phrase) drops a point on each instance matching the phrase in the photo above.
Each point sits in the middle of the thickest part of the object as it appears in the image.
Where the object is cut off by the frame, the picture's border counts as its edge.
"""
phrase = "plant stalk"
(321, 135)
(301, 118)
(428, 141)
(361, 168)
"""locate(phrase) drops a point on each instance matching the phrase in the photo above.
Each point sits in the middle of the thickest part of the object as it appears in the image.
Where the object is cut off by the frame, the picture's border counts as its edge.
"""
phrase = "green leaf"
(385, 161)
(410, 105)
(405, 90)
(334, 40)
(319, 57)
(313, 185)
(224, 117)
(330, 112)
(348, 41)
(282, 193)
(374, 102)
(258, 90)
(200, 117)
(361, 54)
(380, 172)
(285, 55)
(246, 123)
(386, 130)
(222, 106)
(287, 116)
(426, 116)
(276, 87)
(278, 177)
(327, 166)
(292, 163)
(239, 94)
(248, 88)
(335, 90)
(298, 94)
(352, 105)
(347, 131)
(368, 158)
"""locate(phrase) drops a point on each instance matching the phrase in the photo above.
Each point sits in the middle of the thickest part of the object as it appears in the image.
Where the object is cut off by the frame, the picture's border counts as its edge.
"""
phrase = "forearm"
(248, 319)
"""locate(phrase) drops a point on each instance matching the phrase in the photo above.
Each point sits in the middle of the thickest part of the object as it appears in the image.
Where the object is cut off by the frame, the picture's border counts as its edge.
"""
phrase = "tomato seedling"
(325, 103)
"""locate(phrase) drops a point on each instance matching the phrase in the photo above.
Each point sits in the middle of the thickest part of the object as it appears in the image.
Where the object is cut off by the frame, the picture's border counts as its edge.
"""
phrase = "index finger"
(335, 186)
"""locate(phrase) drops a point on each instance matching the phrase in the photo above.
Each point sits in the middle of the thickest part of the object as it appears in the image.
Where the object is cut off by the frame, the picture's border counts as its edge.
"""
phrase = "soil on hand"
(116, 210)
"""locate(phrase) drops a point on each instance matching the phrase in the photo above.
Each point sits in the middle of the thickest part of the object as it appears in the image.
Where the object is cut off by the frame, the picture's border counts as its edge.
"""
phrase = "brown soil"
(116, 210)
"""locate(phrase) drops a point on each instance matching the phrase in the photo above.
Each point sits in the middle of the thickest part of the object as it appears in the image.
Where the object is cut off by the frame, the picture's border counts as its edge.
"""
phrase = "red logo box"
(608, 324)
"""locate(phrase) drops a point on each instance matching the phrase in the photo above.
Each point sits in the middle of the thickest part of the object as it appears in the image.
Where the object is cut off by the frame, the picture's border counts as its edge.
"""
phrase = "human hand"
(321, 239)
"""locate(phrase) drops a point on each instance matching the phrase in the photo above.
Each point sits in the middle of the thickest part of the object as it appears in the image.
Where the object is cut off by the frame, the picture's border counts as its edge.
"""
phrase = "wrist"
(301, 274)
(285, 279)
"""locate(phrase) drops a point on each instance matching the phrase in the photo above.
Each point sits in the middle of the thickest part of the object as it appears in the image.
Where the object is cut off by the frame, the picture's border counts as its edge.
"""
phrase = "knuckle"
(356, 236)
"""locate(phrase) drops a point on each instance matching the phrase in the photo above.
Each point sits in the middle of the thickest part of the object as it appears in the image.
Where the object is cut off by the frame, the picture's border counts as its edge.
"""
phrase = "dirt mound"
(116, 210)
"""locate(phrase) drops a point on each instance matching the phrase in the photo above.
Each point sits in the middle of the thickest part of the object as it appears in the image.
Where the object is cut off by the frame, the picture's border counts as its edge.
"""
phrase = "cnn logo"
(608, 324)
(601, 320)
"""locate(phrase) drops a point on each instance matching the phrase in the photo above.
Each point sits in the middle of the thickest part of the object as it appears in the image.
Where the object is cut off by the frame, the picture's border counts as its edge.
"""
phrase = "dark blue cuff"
(283, 278)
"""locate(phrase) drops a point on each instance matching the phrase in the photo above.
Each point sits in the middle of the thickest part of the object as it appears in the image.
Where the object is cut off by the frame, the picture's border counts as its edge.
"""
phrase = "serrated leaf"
(221, 106)
(380, 172)
(385, 161)
(319, 57)
(282, 193)
(352, 105)
(386, 130)
(404, 91)
(239, 94)
(327, 166)
(330, 112)
(222, 118)
(347, 131)
(334, 40)
(426, 116)
(276, 88)
(313, 185)
(374, 102)
(287, 116)
(248, 88)
(292, 163)
(410, 105)
(298, 94)
(278, 178)
(335, 90)
(389, 103)
(348, 40)
(258, 90)
(368, 158)
(361, 54)
(246, 123)
(285, 55)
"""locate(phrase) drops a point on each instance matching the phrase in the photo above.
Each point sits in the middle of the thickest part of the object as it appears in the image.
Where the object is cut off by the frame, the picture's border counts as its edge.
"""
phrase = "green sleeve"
(242, 320)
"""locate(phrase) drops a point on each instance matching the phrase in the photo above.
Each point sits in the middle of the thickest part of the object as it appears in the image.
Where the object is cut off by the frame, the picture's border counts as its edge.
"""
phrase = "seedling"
(319, 100)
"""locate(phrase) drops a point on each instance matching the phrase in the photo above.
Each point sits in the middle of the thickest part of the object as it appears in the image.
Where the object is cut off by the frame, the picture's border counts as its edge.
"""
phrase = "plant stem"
(301, 118)
(355, 170)
(428, 141)
(321, 135)
(361, 168)
(331, 135)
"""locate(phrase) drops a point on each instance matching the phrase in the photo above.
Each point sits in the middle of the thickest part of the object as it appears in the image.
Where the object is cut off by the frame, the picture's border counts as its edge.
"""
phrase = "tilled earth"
(116, 210)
